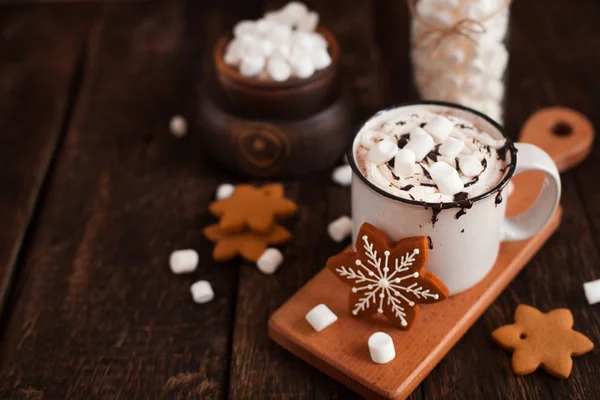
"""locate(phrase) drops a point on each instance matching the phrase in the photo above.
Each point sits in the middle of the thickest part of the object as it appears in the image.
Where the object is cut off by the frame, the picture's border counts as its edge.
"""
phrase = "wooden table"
(95, 193)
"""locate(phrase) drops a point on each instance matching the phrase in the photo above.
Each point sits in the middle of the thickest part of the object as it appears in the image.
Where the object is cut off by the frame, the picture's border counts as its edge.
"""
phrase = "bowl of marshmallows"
(282, 65)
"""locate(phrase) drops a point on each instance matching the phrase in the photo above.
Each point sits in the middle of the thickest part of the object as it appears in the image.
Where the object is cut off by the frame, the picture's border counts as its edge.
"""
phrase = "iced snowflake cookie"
(387, 278)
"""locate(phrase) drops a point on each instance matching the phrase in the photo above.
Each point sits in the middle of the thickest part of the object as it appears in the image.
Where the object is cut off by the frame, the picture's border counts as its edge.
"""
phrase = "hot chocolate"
(430, 154)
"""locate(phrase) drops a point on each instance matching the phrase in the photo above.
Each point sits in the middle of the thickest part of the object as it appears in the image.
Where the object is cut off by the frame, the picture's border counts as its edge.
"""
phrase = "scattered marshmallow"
(183, 261)
(342, 175)
(202, 292)
(269, 261)
(252, 65)
(470, 166)
(340, 229)
(439, 127)
(451, 147)
(592, 291)
(278, 69)
(446, 178)
(178, 126)
(381, 348)
(419, 144)
(224, 191)
(320, 317)
(382, 151)
(404, 162)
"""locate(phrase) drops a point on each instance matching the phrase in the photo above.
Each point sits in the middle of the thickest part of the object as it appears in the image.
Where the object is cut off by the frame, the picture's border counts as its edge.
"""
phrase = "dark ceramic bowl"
(294, 98)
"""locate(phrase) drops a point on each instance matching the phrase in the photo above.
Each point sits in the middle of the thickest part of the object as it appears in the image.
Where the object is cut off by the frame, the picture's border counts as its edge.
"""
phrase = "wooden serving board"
(341, 350)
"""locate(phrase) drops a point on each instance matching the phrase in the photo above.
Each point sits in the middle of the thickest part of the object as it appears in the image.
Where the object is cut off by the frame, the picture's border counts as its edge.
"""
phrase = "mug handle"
(530, 222)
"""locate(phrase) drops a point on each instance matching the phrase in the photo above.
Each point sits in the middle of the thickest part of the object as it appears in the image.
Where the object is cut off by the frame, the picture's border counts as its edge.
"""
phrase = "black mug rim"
(499, 186)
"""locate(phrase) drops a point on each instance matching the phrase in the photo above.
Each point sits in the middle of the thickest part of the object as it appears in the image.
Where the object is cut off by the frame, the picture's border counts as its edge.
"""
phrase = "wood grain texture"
(35, 103)
(97, 312)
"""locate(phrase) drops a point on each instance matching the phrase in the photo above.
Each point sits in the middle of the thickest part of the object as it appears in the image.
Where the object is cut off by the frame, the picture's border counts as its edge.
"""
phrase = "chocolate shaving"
(498, 199)
(474, 181)
(403, 140)
(407, 188)
(430, 242)
(422, 124)
(460, 213)
(411, 197)
(435, 209)
(425, 172)
(484, 164)
(462, 231)
(463, 126)
(396, 177)
(429, 185)
(461, 196)
(401, 123)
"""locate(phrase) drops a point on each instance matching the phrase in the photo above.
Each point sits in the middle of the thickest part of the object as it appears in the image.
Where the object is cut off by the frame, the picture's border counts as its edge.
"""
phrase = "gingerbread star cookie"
(387, 278)
(248, 245)
(542, 340)
(252, 208)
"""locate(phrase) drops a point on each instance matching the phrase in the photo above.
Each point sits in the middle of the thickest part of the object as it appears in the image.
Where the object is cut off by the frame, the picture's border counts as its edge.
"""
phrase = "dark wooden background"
(95, 193)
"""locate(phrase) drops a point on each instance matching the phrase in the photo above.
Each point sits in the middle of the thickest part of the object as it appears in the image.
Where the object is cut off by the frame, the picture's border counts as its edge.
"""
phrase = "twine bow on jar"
(436, 33)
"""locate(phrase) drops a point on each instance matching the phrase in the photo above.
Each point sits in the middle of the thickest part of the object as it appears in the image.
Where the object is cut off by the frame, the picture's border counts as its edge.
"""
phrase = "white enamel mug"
(464, 249)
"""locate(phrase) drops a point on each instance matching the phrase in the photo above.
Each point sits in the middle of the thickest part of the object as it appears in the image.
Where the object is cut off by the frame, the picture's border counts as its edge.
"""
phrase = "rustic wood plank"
(38, 84)
(541, 73)
(97, 313)
(260, 368)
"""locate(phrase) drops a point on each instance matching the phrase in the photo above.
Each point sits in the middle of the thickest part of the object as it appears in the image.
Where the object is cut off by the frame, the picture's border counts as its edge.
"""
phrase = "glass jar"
(459, 52)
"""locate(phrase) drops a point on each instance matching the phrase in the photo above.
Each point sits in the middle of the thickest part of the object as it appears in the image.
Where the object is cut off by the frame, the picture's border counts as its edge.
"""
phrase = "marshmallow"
(264, 26)
(308, 23)
(202, 292)
(369, 137)
(251, 65)
(320, 317)
(224, 191)
(439, 127)
(342, 175)
(592, 291)
(320, 58)
(381, 348)
(282, 50)
(340, 229)
(178, 126)
(446, 178)
(494, 89)
(302, 66)
(183, 261)
(382, 151)
(451, 147)
(295, 9)
(470, 166)
(279, 34)
(306, 41)
(278, 69)
(388, 127)
(269, 261)
(419, 144)
(244, 28)
(455, 57)
(404, 162)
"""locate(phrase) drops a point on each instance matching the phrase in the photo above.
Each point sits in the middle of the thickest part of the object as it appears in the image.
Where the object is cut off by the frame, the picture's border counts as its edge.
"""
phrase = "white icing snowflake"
(392, 284)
